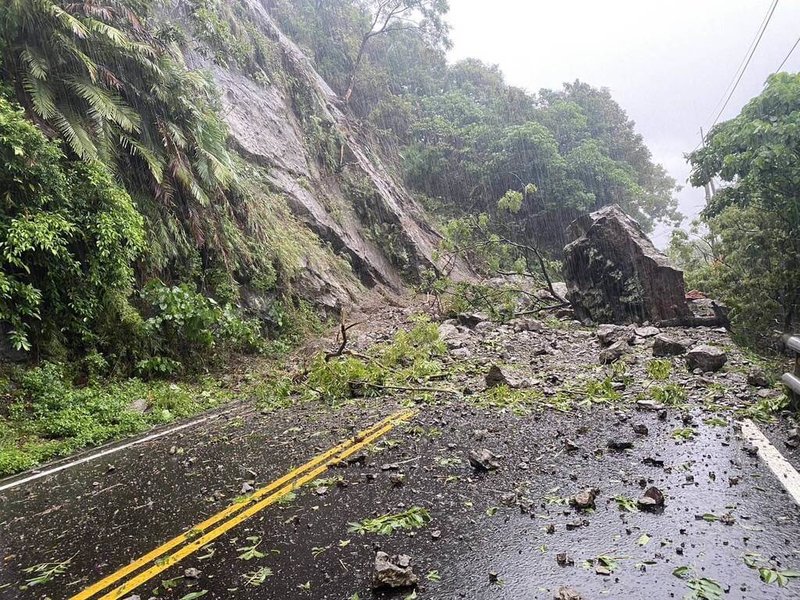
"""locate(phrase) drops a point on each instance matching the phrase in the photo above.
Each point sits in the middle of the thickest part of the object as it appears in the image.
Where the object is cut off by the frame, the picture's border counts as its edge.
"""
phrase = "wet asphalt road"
(492, 535)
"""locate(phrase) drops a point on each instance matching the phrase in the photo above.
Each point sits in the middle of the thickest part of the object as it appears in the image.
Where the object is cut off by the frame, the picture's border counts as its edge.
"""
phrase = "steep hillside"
(323, 163)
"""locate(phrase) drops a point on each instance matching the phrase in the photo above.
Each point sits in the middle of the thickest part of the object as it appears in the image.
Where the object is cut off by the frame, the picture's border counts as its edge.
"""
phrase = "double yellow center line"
(203, 533)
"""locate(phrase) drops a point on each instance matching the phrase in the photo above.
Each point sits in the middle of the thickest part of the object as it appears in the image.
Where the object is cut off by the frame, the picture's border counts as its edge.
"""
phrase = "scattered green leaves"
(413, 518)
(250, 552)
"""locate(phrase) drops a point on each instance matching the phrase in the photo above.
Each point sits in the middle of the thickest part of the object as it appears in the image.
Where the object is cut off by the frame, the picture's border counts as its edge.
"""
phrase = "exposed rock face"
(615, 275)
(326, 167)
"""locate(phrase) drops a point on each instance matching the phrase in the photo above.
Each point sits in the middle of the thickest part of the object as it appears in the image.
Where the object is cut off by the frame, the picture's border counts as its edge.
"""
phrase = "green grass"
(670, 394)
(503, 397)
(43, 415)
(659, 369)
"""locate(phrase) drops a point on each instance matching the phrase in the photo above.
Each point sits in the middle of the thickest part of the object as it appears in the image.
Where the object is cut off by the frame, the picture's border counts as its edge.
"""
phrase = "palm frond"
(103, 105)
(36, 63)
(67, 21)
(68, 125)
(154, 162)
(41, 96)
(114, 35)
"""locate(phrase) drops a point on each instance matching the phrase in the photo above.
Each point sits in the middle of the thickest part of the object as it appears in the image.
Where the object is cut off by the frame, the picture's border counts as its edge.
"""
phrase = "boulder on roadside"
(706, 358)
(646, 332)
(613, 353)
(757, 378)
(483, 460)
(584, 500)
(393, 572)
(614, 274)
(567, 593)
(665, 344)
(609, 334)
(525, 324)
(452, 336)
(497, 376)
(471, 320)
(652, 499)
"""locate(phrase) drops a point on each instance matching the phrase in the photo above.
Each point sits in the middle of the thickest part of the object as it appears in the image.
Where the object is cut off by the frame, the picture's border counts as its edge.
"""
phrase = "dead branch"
(343, 336)
(405, 388)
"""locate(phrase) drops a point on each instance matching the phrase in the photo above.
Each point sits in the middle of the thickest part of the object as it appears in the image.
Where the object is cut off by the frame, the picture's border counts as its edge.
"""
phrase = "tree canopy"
(750, 256)
(465, 136)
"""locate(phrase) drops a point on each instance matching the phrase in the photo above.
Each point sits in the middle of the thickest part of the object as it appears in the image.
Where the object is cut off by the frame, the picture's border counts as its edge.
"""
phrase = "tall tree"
(424, 17)
(753, 260)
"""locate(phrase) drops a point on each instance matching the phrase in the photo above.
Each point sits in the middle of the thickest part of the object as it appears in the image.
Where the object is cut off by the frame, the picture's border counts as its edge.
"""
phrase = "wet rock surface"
(665, 344)
(615, 275)
(706, 358)
(511, 532)
(393, 571)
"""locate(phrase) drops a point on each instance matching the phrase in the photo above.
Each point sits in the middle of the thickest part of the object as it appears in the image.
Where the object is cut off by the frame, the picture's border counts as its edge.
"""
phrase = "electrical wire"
(744, 58)
(749, 57)
(788, 55)
(737, 77)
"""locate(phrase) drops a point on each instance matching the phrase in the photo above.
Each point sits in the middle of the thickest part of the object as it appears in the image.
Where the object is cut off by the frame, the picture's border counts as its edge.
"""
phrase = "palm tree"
(90, 73)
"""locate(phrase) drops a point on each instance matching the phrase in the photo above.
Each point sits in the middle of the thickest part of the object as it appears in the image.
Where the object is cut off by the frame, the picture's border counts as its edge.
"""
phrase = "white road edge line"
(112, 450)
(786, 473)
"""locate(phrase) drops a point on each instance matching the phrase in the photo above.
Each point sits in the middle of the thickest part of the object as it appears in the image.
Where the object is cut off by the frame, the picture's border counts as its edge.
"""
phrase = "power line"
(788, 55)
(744, 58)
(737, 76)
(749, 56)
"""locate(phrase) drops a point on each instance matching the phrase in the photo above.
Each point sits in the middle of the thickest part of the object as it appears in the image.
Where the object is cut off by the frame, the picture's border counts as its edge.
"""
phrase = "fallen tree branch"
(715, 321)
(405, 388)
(536, 311)
(343, 333)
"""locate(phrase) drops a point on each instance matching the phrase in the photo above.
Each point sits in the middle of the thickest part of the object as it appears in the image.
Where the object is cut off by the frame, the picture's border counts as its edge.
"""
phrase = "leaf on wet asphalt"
(433, 576)
(168, 584)
(768, 574)
(643, 540)
(705, 589)
(46, 572)
(413, 518)
(209, 552)
(251, 552)
(683, 434)
(257, 577)
(710, 517)
(626, 504)
(682, 571)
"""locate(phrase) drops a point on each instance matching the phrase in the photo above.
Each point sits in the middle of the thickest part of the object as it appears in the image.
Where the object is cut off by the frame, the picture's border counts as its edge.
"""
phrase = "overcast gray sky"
(667, 63)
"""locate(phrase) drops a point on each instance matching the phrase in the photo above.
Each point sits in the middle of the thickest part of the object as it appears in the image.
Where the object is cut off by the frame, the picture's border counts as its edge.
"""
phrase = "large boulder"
(706, 357)
(615, 275)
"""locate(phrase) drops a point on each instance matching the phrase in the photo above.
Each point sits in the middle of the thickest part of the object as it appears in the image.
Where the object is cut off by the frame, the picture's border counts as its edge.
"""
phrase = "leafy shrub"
(659, 369)
(670, 394)
(185, 324)
(410, 357)
(68, 238)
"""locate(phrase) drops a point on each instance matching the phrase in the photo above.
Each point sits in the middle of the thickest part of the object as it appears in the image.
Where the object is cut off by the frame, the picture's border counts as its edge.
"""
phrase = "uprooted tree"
(490, 244)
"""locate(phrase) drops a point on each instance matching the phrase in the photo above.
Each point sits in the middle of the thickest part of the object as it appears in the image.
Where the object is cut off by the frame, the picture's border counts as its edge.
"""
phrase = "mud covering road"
(506, 533)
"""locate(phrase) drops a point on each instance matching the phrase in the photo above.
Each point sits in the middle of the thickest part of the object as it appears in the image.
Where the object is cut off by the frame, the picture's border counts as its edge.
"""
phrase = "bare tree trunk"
(352, 81)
